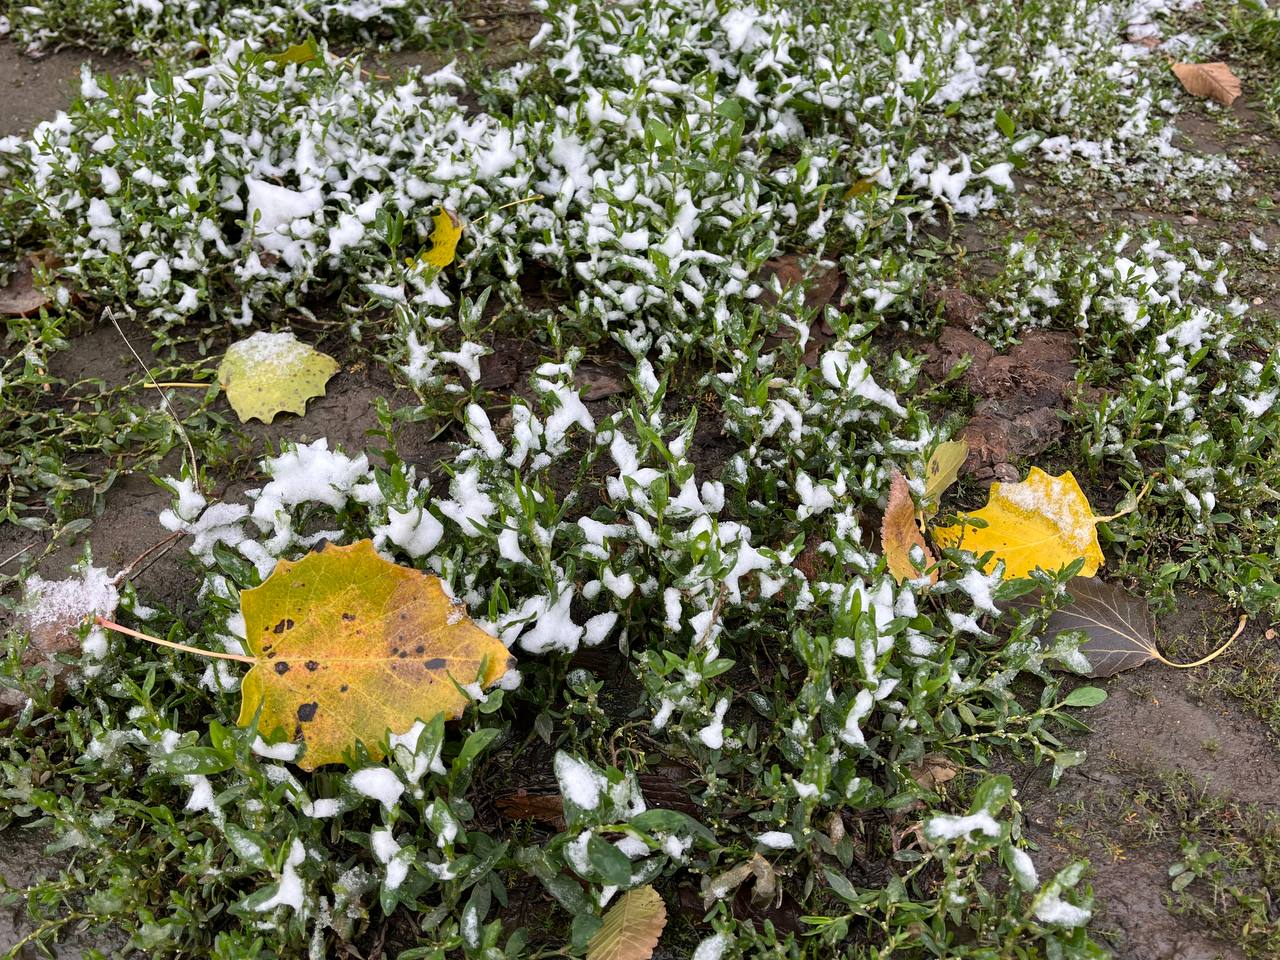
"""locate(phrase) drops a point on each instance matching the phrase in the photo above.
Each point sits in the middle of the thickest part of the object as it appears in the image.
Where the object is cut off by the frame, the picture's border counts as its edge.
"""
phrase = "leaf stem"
(1146, 487)
(217, 654)
(514, 203)
(1244, 618)
(177, 383)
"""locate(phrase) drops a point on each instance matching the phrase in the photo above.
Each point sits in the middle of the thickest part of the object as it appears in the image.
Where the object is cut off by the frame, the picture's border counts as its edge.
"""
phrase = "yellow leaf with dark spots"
(1041, 522)
(349, 646)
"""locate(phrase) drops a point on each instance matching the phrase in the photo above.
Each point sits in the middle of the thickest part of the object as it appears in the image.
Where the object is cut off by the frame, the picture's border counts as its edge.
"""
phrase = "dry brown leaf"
(1214, 81)
(899, 533)
(932, 770)
(631, 928)
(21, 297)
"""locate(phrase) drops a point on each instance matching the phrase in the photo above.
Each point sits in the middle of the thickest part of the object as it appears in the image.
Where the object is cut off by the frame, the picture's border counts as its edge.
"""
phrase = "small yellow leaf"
(899, 534)
(270, 373)
(631, 928)
(941, 472)
(1213, 81)
(349, 646)
(1041, 522)
(299, 53)
(444, 240)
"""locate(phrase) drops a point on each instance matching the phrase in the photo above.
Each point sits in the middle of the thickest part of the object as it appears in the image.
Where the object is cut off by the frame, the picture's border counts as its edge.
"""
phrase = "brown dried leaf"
(932, 770)
(899, 533)
(1213, 81)
(599, 382)
(21, 297)
(542, 807)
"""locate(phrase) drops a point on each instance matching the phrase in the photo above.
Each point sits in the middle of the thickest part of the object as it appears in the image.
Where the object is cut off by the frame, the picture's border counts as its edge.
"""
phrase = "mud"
(35, 90)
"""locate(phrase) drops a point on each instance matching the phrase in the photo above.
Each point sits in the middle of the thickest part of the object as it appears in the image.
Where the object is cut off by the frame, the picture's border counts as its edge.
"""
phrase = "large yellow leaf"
(899, 533)
(350, 646)
(270, 373)
(1042, 522)
(631, 928)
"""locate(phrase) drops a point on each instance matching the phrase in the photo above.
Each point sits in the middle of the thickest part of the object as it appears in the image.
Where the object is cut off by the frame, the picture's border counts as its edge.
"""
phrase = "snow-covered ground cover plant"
(709, 535)
(185, 28)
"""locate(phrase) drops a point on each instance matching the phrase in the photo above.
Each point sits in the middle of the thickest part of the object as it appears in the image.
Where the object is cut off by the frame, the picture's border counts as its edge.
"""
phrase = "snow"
(712, 735)
(415, 530)
(276, 210)
(711, 948)
(378, 783)
(776, 840)
(387, 851)
(1024, 870)
(276, 751)
(90, 592)
(289, 891)
(949, 827)
(423, 762)
(1053, 909)
(579, 783)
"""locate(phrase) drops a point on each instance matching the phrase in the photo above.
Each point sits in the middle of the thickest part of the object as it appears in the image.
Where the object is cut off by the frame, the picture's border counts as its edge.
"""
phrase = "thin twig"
(195, 467)
(532, 198)
(177, 383)
(163, 546)
(217, 654)
(15, 556)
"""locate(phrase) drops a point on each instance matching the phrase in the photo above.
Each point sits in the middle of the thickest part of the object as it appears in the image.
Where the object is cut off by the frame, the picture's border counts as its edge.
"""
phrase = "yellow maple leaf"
(631, 928)
(899, 533)
(1041, 522)
(444, 240)
(271, 373)
(348, 646)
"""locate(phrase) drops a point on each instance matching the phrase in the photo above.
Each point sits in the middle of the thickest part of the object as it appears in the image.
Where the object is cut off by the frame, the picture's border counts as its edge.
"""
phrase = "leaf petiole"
(1244, 618)
(218, 654)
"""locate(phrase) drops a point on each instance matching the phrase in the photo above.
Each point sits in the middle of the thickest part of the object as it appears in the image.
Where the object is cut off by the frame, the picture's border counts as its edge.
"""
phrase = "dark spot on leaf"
(343, 689)
(348, 617)
(312, 666)
(436, 663)
(420, 648)
(307, 711)
(282, 667)
(283, 625)
(402, 654)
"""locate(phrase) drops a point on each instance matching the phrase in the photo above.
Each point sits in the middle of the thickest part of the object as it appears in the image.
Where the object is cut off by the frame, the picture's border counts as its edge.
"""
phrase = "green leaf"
(191, 761)
(672, 821)
(1004, 123)
(1085, 697)
(610, 862)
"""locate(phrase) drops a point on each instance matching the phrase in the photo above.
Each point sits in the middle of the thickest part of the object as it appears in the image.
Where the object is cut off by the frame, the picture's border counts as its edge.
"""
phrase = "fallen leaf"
(932, 770)
(350, 646)
(941, 472)
(1043, 522)
(525, 805)
(50, 616)
(270, 373)
(899, 533)
(1213, 81)
(631, 927)
(720, 886)
(1117, 628)
(299, 53)
(444, 240)
(20, 297)
(599, 382)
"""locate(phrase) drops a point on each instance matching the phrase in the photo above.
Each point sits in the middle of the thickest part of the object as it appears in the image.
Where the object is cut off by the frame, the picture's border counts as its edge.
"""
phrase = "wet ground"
(1158, 727)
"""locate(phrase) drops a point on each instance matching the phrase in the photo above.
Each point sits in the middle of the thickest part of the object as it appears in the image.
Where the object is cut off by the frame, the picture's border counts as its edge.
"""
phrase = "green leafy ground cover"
(714, 667)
